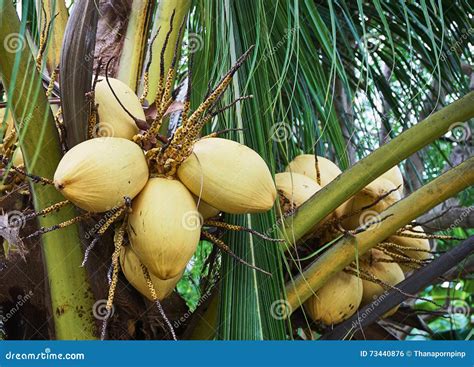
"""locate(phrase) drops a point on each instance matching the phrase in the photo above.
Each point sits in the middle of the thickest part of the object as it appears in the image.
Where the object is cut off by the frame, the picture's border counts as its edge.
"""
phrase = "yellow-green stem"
(135, 45)
(164, 12)
(58, 10)
(163, 15)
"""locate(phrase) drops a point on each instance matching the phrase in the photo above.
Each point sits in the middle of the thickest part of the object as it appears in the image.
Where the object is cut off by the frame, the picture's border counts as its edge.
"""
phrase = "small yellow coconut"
(17, 160)
(415, 243)
(295, 188)
(131, 268)
(388, 272)
(230, 176)
(394, 175)
(207, 211)
(366, 197)
(97, 174)
(164, 227)
(305, 164)
(114, 121)
(337, 300)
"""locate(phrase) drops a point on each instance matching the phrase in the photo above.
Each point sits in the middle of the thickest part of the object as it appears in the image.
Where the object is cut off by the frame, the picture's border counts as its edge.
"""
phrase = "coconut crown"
(17, 159)
(98, 173)
(207, 211)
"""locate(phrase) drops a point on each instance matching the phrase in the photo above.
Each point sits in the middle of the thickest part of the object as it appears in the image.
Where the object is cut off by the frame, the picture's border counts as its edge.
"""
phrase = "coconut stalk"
(134, 45)
(375, 164)
(349, 247)
(71, 297)
(52, 9)
(163, 15)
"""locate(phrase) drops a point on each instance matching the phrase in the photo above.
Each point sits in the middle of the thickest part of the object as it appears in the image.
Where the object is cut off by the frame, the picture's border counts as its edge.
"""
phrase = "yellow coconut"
(207, 211)
(415, 243)
(131, 268)
(164, 227)
(114, 121)
(229, 176)
(337, 300)
(17, 160)
(366, 197)
(295, 188)
(394, 175)
(97, 174)
(388, 272)
(305, 164)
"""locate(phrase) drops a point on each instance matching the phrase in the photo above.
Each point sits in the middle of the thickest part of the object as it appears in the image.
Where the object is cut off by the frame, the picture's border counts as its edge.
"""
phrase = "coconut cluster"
(378, 270)
(167, 210)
